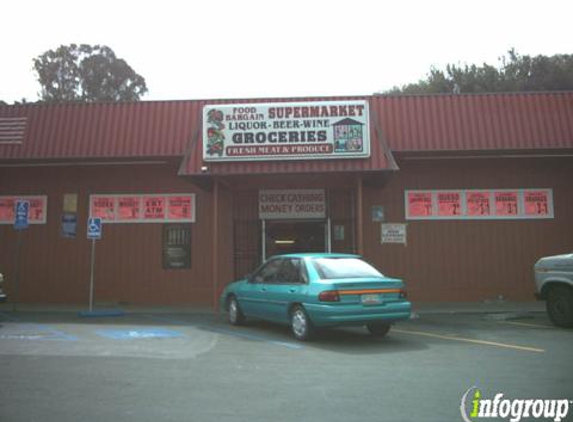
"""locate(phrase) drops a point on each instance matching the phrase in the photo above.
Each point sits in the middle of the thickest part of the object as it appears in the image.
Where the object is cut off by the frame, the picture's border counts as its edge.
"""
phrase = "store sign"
(393, 233)
(479, 204)
(152, 208)
(292, 204)
(286, 131)
(37, 209)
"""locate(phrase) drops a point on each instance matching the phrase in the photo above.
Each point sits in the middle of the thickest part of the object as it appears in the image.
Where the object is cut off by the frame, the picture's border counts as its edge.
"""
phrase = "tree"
(516, 73)
(87, 73)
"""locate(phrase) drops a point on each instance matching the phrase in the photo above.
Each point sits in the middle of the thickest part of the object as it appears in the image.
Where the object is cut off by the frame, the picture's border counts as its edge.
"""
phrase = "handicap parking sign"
(94, 228)
(21, 214)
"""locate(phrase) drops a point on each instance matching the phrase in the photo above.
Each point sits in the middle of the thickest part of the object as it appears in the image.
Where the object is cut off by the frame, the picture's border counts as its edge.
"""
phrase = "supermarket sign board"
(144, 208)
(480, 204)
(286, 131)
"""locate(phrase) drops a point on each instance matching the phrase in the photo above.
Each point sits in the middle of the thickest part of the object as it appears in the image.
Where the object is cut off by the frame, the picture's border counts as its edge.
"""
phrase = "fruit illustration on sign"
(215, 136)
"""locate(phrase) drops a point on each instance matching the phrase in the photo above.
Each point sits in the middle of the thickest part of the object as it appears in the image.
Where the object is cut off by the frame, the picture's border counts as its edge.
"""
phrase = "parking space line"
(527, 324)
(472, 341)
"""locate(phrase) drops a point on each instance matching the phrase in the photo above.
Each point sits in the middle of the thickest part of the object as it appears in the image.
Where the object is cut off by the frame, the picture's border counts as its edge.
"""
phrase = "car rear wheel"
(300, 324)
(378, 329)
(560, 306)
(235, 314)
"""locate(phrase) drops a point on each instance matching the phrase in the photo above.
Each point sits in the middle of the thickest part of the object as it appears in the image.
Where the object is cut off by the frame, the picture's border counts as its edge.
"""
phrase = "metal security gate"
(246, 232)
(247, 248)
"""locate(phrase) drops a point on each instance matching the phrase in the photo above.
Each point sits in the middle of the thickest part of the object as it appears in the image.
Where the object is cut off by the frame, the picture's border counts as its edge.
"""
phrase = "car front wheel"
(300, 324)
(235, 314)
(378, 329)
(560, 306)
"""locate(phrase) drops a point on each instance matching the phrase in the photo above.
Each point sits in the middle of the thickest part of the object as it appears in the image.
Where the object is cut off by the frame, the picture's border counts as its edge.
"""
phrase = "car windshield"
(331, 268)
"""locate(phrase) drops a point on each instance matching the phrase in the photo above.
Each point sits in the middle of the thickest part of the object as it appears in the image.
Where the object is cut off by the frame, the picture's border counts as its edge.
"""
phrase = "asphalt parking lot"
(147, 366)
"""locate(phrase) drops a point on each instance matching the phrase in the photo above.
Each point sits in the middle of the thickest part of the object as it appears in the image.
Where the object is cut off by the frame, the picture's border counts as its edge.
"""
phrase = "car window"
(292, 271)
(268, 272)
(332, 268)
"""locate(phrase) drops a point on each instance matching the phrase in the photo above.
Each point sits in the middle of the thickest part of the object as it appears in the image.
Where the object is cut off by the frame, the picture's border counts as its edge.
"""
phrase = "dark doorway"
(294, 237)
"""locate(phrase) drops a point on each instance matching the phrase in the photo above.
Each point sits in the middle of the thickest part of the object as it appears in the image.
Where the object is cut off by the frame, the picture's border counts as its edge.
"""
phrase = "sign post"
(21, 222)
(94, 233)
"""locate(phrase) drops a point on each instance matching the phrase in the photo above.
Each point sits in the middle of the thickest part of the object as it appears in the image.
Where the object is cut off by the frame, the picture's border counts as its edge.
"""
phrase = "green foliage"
(87, 73)
(515, 73)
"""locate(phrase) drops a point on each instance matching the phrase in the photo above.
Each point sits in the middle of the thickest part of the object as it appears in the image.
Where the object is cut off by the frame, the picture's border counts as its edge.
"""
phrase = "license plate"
(371, 299)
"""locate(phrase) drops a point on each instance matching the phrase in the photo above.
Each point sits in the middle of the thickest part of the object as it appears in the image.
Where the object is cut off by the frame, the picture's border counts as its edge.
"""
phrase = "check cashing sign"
(286, 131)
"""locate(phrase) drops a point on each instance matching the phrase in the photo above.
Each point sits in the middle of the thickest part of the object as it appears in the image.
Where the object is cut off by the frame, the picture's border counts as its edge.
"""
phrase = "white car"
(554, 280)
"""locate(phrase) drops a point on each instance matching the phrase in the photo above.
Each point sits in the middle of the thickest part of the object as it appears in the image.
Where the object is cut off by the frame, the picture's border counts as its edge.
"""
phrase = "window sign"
(537, 202)
(128, 208)
(506, 203)
(103, 207)
(449, 204)
(180, 207)
(150, 208)
(37, 210)
(479, 204)
(419, 204)
(153, 208)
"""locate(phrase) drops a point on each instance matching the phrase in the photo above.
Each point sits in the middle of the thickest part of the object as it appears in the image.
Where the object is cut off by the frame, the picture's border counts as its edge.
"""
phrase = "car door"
(254, 297)
(289, 286)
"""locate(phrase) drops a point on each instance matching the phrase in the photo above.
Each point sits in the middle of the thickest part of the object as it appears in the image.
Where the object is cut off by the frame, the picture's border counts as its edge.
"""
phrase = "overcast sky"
(247, 48)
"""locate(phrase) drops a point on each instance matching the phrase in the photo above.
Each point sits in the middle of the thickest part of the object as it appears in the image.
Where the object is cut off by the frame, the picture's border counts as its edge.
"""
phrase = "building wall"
(443, 260)
(471, 260)
(129, 268)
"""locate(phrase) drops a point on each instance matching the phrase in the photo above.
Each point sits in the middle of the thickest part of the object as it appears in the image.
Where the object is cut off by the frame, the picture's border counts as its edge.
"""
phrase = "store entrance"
(294, 237)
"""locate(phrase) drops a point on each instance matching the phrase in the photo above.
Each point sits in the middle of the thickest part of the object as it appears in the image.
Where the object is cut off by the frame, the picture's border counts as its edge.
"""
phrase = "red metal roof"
(456, 123)
(520, 121)
(104, 130)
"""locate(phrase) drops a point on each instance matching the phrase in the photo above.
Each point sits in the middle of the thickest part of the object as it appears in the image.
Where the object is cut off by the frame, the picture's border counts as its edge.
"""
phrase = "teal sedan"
(309, 291)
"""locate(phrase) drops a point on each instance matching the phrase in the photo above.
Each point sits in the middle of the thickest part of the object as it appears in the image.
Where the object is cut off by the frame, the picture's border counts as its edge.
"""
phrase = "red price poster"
(449, 204)
(37, 211)
(506, 203)
(7, 210)
(154, 207)
(536, 203)
(181, 208)
(128, 208)
(478, 204)
(103, 207)
(419, 204)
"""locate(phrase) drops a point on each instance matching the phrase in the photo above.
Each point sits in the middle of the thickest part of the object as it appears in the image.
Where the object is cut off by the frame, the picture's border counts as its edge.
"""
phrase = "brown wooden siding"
(443, 261)
(128, 258)
(472, 260)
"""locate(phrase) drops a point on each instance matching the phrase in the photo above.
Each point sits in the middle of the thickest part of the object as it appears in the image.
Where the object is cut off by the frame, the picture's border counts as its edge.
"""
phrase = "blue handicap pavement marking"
(18, 330)
(139, 333)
